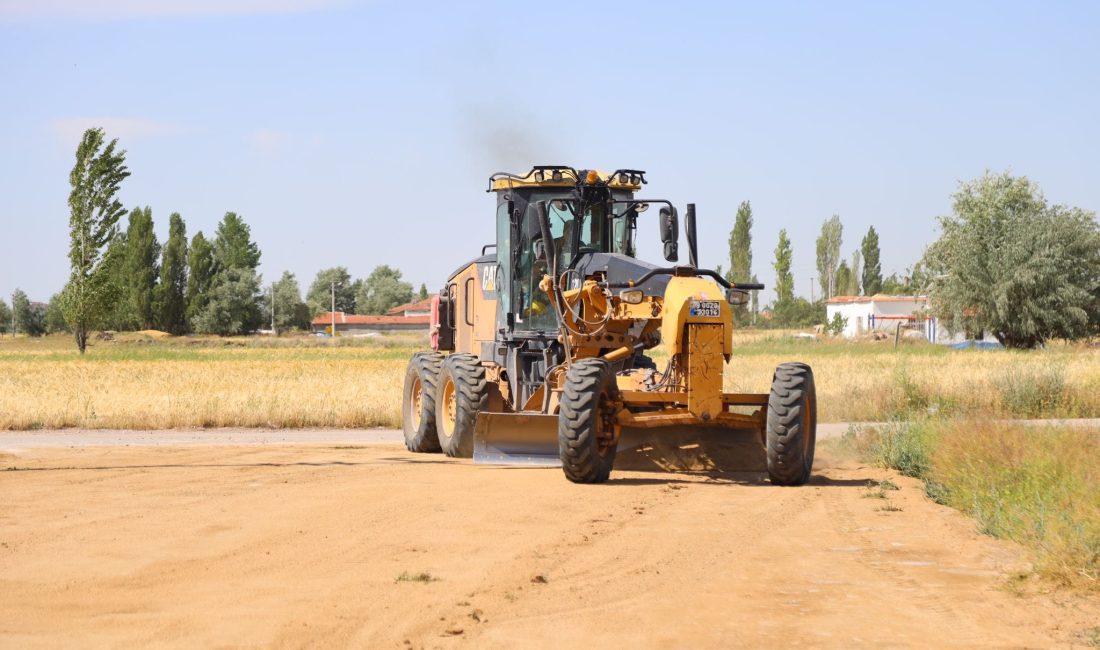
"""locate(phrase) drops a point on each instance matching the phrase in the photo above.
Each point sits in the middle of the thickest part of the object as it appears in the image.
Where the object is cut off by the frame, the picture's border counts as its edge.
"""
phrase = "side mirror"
(670, 232)
(737, 297)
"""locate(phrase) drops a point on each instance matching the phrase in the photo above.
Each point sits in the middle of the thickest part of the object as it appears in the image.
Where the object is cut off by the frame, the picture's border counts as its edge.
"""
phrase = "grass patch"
(1034, 485)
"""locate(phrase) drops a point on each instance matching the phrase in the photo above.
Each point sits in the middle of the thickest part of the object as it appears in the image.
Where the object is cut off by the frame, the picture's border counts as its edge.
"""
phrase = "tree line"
(1007, 263)
(835, 275)
(124, 279)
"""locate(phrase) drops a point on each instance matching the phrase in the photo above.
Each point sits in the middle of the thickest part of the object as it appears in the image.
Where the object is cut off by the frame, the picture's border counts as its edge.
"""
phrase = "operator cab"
(589, 212)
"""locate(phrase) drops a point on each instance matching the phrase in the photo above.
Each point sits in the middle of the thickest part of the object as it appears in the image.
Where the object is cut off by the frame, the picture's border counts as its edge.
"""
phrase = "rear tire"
(792, 424)
(584, 444)
(418, 402)
(461, 394)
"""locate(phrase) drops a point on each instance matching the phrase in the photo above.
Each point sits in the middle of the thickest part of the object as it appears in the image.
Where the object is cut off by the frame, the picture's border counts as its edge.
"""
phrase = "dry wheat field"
(140, 381)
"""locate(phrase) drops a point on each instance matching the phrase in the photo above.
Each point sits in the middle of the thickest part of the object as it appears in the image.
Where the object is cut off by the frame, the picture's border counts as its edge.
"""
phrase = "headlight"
(632, 296)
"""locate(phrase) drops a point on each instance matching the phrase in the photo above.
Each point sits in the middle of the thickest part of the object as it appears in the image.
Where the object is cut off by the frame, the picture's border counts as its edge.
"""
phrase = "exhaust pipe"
(689, 228)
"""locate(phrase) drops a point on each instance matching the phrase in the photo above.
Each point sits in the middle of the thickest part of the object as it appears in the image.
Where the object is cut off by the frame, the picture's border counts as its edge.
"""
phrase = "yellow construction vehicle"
(538, 349)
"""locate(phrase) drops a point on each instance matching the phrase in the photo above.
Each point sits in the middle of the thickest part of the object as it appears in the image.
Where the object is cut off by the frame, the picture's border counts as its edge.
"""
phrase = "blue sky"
(362, 133)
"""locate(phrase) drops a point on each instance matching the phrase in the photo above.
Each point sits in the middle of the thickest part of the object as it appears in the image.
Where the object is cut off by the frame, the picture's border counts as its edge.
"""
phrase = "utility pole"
(273, 332)
(812, 290)
(333, 309)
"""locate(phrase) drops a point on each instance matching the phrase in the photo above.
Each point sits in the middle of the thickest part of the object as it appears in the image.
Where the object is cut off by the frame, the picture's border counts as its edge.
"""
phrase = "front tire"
(586, 442)
(462, 394)
(792, 424)
(418, 402)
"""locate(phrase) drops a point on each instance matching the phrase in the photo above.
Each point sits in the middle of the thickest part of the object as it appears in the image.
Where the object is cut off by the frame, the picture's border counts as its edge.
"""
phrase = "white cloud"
(69, 129)
(121, 9)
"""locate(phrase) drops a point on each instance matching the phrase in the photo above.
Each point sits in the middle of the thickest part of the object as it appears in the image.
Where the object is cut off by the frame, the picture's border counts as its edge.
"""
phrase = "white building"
(881, 312)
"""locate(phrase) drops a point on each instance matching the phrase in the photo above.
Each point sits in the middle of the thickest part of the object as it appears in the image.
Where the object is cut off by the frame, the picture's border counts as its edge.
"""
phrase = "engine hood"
(620, 268)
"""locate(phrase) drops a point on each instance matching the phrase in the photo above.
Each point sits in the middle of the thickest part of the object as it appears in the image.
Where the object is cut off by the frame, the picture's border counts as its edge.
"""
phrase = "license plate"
(711, 308)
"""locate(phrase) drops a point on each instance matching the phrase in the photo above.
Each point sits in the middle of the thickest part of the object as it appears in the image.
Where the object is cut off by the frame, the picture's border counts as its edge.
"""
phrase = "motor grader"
(539, 348)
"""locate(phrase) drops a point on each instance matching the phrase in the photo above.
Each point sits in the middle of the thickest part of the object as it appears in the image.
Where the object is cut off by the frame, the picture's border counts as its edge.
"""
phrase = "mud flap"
(516, 439)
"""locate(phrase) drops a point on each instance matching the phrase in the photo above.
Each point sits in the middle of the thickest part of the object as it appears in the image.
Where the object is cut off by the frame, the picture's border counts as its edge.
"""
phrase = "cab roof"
(561, 176)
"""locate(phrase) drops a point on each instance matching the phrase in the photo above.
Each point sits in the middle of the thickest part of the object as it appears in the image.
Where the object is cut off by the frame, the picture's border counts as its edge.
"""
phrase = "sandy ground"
(294, 544)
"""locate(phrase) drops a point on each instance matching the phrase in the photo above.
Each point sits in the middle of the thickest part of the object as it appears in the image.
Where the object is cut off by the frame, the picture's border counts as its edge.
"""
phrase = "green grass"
(1039, 486)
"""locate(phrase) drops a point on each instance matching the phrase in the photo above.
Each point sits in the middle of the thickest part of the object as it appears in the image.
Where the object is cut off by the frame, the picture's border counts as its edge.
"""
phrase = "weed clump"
(1031, 391)
(423, 576)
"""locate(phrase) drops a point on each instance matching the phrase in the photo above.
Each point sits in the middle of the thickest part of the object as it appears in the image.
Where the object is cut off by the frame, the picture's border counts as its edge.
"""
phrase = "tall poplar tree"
(784, 281)
(740, 243)
(200, 264)
(93, 223)
(872, 269)
(828, 254)
(853, 288)
(171, 292)
(233, 245)
(141, 268)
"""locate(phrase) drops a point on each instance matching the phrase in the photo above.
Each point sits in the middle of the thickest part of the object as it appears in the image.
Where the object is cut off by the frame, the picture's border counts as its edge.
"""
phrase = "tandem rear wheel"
(461, 394)
(418, 402)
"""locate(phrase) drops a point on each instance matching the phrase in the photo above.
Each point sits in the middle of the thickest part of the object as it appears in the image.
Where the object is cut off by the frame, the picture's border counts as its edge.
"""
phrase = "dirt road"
(366, 545)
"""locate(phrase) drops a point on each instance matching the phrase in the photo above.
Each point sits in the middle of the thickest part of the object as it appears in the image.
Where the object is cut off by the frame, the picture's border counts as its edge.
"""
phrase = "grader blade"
(690, 449)
(516, 439)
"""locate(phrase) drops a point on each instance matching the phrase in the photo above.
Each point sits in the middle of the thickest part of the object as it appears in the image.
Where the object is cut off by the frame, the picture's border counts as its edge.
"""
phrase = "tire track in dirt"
(844, 522)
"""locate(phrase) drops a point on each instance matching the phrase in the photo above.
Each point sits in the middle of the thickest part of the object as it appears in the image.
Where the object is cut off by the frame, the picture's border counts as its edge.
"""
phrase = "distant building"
(410, 309)
(882, 312)
(352, 324)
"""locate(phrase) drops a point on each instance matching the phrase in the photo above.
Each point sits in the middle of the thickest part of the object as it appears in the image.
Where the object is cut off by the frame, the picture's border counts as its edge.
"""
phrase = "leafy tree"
(200, 263)
(171, 299)
(896, 285)
(30, 318)
(93, 222)
(233, 245)
(853, 286)
(55, 317)
(843, 278)
(232, 304)
(5, 317)
(1010, 264)
(798, 312)
(872, 269)
(319, 297)
(141, 268)
(290, 311)
(383, 290)
(423, 293)
(784, 281)
(828, 254)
